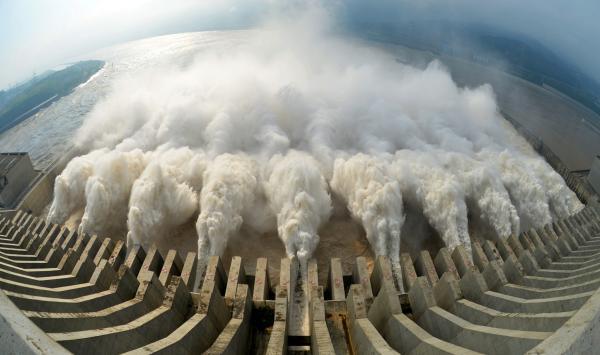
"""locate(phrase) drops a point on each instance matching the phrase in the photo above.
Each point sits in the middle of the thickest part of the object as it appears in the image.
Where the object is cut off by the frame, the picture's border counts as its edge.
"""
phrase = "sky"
(38, 34)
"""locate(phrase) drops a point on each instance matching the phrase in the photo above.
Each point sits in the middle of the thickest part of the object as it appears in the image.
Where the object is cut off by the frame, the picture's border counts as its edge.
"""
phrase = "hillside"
(21, 102)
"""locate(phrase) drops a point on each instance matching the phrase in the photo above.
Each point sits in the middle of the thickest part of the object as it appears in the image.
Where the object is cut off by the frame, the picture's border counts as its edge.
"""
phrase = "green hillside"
(27, 99)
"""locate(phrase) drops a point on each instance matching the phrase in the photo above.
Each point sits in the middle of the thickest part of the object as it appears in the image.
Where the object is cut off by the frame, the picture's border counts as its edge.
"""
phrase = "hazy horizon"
(41, 35)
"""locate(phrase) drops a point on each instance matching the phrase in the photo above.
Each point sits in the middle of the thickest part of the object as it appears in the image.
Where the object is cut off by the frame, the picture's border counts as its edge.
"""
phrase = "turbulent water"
(253, 128)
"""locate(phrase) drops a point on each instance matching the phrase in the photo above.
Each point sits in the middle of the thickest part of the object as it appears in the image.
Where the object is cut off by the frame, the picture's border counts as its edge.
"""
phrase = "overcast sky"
(38, 34)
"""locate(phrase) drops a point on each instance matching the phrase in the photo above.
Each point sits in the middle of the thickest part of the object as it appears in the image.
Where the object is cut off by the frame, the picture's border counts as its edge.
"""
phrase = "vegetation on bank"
(20, 102)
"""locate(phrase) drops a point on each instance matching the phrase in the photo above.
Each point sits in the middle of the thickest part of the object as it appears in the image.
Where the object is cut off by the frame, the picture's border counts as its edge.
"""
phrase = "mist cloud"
(275, 126)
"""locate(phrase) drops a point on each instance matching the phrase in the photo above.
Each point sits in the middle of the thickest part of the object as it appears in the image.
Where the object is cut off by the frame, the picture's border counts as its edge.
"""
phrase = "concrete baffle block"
(360, 275)
(473, 285)
(384, 305)
(235, 277)
(443, 263)
(421, 297)
(103, 275)
(188, 270)
(447, 291)
(278, 340)
(312, 278)
(513, 270)
(104, 251)
(479, 258)
(153, 261)
(355, 303)
(425, 267)
(177, 297)
(135, 258)
(286, 277)
(171, 266)
(319, 333)
(504, 249)
(262, 285)
(382, 273)
(335, 281)
(494, 276)
(215, 272)
(516, 245)
(117, 256)
(491, 251)
(234, 339)
(462, 261)
(365, 338)
(409, 275)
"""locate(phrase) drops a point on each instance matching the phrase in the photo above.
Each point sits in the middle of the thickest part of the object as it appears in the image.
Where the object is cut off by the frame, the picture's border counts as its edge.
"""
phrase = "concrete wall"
(42, 192)
(594, 176)
(583, 192)
(19, 176)
(18, 334)
(39, 196)
(579, 335)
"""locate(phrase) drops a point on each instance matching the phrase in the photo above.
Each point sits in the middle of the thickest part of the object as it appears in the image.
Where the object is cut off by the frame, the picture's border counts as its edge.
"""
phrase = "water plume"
(107, 192)
(374, 198)
(563, 202)
(297, 194)
(524, 188)
(69, 187)
(165, 195)
(436, 192)
(230, 189)
(483, 186)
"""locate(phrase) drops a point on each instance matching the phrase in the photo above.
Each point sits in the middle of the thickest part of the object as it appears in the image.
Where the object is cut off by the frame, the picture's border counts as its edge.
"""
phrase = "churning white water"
(268, 130)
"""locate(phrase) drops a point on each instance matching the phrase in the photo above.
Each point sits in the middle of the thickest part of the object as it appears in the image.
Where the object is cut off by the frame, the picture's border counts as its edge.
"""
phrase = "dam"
(299, 178)
(69, 292)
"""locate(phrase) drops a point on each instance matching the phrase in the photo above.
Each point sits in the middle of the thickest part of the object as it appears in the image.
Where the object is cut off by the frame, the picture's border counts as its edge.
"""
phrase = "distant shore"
(19, 103)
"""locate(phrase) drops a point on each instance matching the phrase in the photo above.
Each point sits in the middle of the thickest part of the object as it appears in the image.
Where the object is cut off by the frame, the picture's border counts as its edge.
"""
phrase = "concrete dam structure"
(535, 293)
(311, 178)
